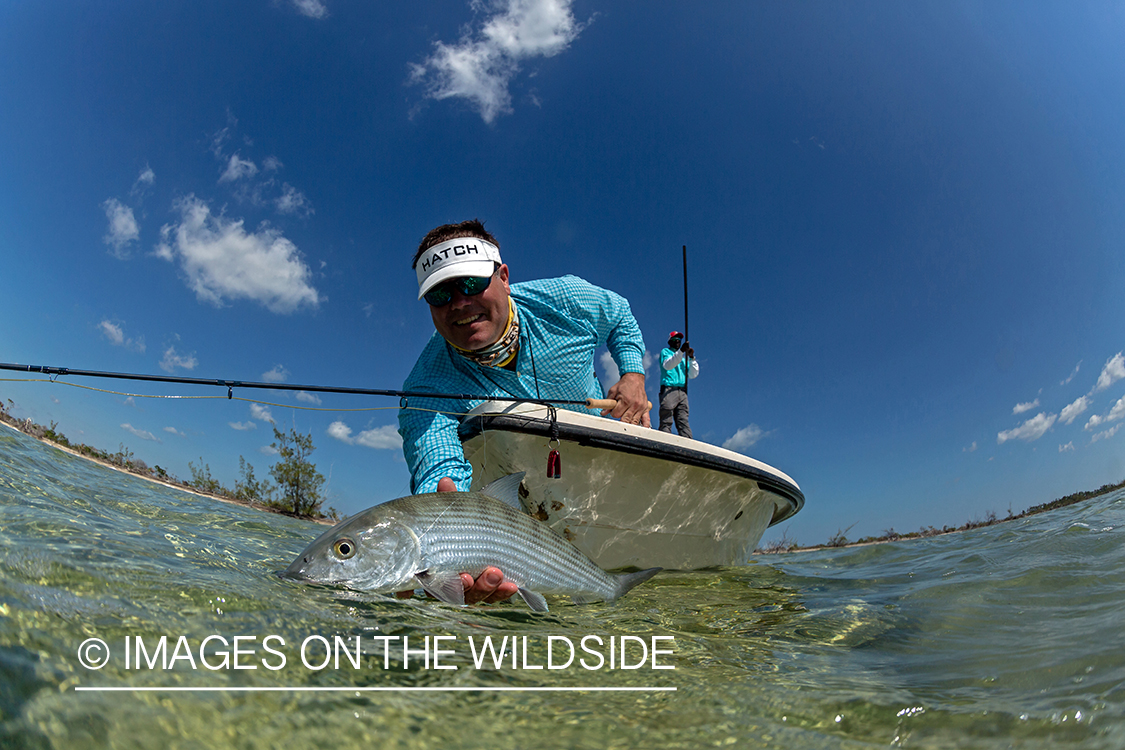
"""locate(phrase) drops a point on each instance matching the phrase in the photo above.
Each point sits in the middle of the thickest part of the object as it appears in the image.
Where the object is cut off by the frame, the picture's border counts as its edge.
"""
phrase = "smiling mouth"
(469, 320)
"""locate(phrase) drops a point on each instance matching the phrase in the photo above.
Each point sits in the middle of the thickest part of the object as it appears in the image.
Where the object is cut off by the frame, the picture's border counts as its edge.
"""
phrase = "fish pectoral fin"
(533, 600)
(445, 587)
(506, 489)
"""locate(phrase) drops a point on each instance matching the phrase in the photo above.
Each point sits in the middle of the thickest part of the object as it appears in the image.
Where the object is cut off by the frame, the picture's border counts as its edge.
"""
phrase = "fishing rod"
(230, 385)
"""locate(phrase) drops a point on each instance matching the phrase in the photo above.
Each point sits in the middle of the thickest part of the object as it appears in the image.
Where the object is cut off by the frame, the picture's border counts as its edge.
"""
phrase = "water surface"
(1008, 636)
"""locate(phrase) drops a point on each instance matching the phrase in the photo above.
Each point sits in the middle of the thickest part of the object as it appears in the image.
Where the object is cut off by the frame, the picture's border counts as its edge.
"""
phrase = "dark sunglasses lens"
(470, 286)
(473, 285)
(439, 296)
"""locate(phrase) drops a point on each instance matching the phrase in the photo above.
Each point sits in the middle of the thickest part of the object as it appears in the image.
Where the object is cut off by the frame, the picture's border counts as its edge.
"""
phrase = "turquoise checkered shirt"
(562, 322)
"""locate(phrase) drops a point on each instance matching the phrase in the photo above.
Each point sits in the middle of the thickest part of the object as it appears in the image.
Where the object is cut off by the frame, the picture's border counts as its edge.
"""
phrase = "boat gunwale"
(640, 445)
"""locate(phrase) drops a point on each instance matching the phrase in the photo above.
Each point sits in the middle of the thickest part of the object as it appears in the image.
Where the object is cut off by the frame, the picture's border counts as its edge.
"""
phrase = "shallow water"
(1009, 636)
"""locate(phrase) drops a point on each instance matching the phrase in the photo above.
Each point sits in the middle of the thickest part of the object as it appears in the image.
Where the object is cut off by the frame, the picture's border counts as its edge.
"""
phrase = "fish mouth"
(295, 572)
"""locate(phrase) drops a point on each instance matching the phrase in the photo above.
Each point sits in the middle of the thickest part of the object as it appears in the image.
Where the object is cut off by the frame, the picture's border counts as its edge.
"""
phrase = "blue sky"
(904, 223)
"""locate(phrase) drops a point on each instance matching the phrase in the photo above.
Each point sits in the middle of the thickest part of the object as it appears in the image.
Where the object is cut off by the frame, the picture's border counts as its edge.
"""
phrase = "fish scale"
(429, 540)
(458, 536)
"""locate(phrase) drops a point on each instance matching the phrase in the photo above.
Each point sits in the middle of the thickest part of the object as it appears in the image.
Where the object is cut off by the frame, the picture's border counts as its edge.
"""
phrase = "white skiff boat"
(630, 495)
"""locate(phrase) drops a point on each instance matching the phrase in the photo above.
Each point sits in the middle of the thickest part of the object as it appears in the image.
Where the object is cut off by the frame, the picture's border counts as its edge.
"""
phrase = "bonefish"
(428, 540)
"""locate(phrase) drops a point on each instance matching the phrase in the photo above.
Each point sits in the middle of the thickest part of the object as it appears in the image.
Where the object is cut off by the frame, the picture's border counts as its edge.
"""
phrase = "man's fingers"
(489, 586)
(504, 591)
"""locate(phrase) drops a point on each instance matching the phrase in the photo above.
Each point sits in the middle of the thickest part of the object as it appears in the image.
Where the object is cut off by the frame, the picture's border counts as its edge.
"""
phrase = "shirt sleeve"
(430, 443)
(432, 450)
(613, 320)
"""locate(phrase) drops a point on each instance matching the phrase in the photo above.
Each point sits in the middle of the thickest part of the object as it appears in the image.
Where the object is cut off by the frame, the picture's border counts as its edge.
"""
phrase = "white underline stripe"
(373, 689)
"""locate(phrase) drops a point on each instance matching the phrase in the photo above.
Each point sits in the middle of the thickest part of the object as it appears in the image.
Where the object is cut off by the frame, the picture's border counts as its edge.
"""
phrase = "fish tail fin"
(626, 581)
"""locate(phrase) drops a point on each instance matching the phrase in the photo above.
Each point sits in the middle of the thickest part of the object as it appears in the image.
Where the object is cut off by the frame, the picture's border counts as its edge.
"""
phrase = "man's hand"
(632, 403)
(489, 587)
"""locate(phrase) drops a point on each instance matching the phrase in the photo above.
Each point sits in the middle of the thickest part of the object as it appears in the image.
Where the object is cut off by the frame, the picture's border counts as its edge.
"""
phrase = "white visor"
(463, 256)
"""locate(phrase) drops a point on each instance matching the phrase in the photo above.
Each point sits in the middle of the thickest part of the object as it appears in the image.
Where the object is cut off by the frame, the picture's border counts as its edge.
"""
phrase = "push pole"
(686, 337)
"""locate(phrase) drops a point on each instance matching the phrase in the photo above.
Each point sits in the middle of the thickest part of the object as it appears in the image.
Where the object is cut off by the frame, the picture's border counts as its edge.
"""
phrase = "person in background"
(532, 339)
(678, 365)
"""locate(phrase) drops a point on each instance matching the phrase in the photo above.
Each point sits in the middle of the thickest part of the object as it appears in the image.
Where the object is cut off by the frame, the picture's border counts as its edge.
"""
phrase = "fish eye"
(344, 548)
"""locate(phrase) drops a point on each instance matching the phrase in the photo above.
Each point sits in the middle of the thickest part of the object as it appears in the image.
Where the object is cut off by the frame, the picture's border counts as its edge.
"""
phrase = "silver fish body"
(429, 540)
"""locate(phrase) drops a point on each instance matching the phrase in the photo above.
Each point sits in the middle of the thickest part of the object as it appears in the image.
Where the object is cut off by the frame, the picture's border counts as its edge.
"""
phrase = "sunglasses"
(470, 286)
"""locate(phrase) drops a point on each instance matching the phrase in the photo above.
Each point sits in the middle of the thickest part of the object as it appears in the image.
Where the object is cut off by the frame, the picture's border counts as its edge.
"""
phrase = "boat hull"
(628, 495)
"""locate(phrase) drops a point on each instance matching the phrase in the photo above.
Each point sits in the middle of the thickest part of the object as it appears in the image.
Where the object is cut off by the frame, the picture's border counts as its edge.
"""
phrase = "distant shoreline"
(13, 424)
(839, 541)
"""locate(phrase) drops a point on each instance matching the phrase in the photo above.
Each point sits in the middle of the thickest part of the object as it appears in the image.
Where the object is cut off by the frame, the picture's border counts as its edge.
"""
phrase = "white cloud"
(219, 140)
(1116, 413)
(1071, 376)
(611, 373)
(745, 438)
(1021, 408)
(144, 181)
(222, 260)
(341, 432)
(971, 449)
(1113, 371)
(1068, 448)
(308, 398)
(243, 426)
(277, 375)
(481, 65)
(174, 431)
(142, 434)
(116, 335)
(172, 360)
(113, 333)
(1032, 429)
(237, 169)
(123, 228)
(379, 438)
(385, 437)
(246, 181)
(1073, 409)
(257, 411)
(311, 8)
(293, 201)
(1106, 434)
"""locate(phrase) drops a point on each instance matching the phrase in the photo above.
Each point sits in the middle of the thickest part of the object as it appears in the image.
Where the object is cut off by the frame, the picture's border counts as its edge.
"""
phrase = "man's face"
(475, 322)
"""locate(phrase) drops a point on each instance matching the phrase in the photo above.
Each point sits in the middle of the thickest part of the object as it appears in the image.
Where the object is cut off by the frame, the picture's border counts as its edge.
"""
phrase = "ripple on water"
(1004, 636)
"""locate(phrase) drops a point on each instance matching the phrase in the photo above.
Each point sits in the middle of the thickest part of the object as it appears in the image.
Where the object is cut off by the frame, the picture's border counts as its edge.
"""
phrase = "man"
(533, 339)
(677, 365)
